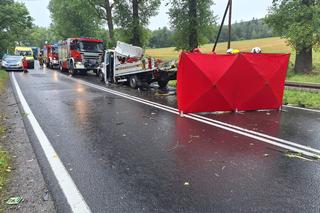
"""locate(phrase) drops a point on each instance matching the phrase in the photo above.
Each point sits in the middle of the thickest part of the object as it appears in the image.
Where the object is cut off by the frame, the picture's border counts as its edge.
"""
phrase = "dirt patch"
(26, 179)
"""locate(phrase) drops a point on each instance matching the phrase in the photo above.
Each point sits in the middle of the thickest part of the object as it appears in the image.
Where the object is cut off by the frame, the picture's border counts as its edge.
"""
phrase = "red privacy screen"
(243, 82)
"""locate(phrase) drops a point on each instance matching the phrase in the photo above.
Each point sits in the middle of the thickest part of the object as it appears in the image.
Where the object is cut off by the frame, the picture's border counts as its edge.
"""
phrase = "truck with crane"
(126, 63)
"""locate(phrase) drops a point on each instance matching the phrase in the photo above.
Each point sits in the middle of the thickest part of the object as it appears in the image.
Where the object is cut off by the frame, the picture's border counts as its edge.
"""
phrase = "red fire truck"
(50, 55)
(80, 55)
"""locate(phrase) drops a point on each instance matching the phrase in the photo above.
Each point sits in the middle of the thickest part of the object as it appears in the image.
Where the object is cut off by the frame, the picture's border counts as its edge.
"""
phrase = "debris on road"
(24, 115)
(45, 196)
(299, 156)
(148, 117)
(186, 184)
(175, 147)
(14, 201)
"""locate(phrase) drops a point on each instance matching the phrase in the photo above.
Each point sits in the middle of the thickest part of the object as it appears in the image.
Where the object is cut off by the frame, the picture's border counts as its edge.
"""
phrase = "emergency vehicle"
(27, 53)
(80, 55)
(126, 63)
(50, 55)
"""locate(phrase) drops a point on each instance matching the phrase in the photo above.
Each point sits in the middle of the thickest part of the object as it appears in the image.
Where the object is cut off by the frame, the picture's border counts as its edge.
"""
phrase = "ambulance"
(26, 52)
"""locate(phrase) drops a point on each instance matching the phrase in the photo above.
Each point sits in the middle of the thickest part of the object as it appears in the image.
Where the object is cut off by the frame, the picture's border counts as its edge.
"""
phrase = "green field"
(268, 45)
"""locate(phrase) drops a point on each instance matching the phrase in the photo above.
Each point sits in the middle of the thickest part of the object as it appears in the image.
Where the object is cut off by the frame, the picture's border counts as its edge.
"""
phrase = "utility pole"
(230, 23)
(228, 9)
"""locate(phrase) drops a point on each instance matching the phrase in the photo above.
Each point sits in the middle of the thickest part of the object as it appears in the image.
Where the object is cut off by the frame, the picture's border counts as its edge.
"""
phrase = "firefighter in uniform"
(40, 58)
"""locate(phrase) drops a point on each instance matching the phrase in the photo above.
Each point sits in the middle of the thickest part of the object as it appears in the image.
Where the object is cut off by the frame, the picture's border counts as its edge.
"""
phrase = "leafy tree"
(104, 9)
(14, 23)
(191, 20)
(133, 17)
(162, 37)
(243, 30)
(74, 18)
(38, 36)
(298, 22)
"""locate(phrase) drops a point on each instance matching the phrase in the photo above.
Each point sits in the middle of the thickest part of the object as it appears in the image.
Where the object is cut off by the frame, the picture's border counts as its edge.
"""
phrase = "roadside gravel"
(26, 179)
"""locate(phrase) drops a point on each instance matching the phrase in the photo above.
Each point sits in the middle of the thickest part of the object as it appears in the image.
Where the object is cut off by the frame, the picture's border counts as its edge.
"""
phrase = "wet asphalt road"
(128, 157)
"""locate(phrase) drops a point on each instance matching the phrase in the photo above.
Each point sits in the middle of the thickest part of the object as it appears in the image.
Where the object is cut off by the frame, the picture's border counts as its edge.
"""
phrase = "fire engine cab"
(50, 55)
(79, 55)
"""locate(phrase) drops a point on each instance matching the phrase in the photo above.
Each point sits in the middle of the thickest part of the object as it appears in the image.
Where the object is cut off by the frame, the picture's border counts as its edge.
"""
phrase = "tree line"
(243, 30)
(192, 23)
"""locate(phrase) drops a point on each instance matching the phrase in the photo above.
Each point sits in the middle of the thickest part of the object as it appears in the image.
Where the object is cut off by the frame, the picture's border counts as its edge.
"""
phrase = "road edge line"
(67, 185)
(303, 109)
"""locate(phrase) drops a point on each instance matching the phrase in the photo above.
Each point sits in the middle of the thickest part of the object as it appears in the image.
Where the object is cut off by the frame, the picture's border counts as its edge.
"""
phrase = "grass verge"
(4, 169)
(3, 79)
(313, 77)
(302, 99)
(4, 156)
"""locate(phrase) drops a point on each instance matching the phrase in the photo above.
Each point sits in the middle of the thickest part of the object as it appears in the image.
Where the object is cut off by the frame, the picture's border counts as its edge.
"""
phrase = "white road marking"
(69, 188)
(287, 145)
(259, 134)
(304, 109)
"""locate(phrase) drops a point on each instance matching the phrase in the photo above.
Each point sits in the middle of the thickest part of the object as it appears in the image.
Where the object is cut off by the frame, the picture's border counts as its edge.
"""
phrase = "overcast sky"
(242, 10)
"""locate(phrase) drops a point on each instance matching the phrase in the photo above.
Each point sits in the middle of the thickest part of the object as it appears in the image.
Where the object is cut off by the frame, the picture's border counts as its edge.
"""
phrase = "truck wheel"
(60, 67)
(100, 75)
(134, 82)
(71, 70)
(163, 84)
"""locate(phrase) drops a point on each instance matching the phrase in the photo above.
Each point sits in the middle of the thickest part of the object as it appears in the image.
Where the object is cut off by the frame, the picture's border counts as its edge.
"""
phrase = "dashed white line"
(67, 185)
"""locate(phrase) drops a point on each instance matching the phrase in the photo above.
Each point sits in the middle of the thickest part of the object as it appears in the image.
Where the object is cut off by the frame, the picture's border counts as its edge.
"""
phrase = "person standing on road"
(40, 58)
(25, 64)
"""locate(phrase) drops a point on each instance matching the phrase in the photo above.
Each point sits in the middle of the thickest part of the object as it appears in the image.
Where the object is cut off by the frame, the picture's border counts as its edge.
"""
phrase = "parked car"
(12, 63)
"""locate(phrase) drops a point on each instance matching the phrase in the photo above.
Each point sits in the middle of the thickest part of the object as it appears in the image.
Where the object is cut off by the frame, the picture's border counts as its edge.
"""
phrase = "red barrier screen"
(244, 82)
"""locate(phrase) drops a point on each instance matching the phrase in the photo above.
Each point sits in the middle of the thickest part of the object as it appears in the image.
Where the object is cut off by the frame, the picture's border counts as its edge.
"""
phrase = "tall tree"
(74, 18)
(298, 22)
(161, 37)
(14, 23)
(104, 10)
(38, 36)
(133, 16)
(191, 20)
